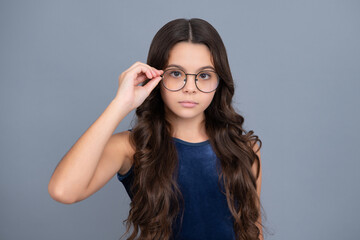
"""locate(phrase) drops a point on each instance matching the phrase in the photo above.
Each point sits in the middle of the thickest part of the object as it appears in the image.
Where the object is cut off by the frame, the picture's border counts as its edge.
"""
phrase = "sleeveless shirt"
(206, 214)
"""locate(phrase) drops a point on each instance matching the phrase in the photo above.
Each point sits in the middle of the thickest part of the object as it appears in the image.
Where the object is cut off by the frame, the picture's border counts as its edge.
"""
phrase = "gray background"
(296, 67)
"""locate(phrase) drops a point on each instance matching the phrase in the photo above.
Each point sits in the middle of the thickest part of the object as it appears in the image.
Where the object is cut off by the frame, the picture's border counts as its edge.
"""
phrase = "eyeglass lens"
(175, 79)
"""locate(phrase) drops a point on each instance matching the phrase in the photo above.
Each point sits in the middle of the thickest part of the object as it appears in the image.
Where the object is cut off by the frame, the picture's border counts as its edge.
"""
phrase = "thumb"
(152, 84)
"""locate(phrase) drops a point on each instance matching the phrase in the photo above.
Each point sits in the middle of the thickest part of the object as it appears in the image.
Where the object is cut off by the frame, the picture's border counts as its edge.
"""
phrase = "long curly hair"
(157, 199)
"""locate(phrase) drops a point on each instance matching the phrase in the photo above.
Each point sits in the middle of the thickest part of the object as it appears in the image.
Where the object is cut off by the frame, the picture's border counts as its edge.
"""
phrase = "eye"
(204, 75)
(175, 73)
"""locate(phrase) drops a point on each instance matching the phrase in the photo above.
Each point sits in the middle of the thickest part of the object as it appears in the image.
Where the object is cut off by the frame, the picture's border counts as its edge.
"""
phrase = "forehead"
(191, 56)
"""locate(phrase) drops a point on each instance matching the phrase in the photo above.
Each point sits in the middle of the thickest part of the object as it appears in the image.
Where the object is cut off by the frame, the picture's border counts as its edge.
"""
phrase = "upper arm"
(117, 155)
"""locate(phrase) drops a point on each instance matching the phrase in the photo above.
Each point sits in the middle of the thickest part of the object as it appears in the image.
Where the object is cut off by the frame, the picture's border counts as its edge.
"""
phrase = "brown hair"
(157, 199)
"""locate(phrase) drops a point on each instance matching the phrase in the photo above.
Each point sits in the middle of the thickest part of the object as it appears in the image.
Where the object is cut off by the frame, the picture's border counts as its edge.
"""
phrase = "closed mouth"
(188, 102)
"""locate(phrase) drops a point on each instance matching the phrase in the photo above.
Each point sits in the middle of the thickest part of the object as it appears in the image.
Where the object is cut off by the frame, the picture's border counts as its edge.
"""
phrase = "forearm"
(74, 172)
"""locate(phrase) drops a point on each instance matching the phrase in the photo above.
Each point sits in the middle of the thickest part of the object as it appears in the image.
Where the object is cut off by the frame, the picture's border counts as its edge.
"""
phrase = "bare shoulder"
(121, 142)
(257, 167)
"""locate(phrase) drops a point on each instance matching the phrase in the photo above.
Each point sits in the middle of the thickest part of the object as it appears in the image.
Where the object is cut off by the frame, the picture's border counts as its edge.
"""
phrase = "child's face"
(191, 57)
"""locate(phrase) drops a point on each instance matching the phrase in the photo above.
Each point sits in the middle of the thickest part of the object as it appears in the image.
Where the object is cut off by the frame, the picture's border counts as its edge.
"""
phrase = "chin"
(186, 113)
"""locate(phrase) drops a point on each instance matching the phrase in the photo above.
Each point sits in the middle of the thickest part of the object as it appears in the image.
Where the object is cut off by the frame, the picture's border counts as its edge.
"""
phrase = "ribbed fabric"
(206, 214)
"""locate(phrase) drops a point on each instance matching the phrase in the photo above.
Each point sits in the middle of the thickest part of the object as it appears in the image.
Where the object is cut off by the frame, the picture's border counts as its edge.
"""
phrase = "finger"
(136, 64)
(152, 84)
(149, 74)
(154, 72)
(142, 69)
(157, 72)
(140, 79)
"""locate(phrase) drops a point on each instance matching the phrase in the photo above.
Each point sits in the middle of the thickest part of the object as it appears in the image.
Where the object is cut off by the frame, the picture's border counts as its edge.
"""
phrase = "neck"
(190, 129)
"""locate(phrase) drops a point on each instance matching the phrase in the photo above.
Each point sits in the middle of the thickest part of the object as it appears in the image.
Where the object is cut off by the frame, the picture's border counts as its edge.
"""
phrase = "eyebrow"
(178, 66)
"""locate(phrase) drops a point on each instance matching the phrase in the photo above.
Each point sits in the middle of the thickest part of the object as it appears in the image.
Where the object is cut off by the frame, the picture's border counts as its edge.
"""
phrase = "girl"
(190, 169)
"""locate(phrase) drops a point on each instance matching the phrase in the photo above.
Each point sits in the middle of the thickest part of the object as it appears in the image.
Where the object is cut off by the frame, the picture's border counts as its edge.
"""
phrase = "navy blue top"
(206, 214)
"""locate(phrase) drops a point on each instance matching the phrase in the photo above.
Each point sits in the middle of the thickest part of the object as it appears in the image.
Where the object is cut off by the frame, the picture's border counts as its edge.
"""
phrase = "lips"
(188, 102)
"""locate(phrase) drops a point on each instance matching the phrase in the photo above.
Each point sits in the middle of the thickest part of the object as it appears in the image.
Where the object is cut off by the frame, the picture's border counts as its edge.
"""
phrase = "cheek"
(208, 99)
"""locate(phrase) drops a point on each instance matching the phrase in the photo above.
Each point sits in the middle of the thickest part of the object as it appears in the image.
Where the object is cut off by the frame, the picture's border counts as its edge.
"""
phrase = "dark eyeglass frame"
(185, 80)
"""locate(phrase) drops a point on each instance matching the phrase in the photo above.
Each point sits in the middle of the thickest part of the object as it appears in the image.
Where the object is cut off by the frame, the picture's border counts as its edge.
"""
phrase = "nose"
(190, 85)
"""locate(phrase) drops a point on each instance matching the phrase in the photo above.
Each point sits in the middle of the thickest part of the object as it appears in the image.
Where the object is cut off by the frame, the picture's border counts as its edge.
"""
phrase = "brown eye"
(205, 75)
(175, 73)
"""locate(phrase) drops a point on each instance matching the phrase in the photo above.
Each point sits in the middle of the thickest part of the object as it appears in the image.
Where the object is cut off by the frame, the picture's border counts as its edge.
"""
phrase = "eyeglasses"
(175, 79)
